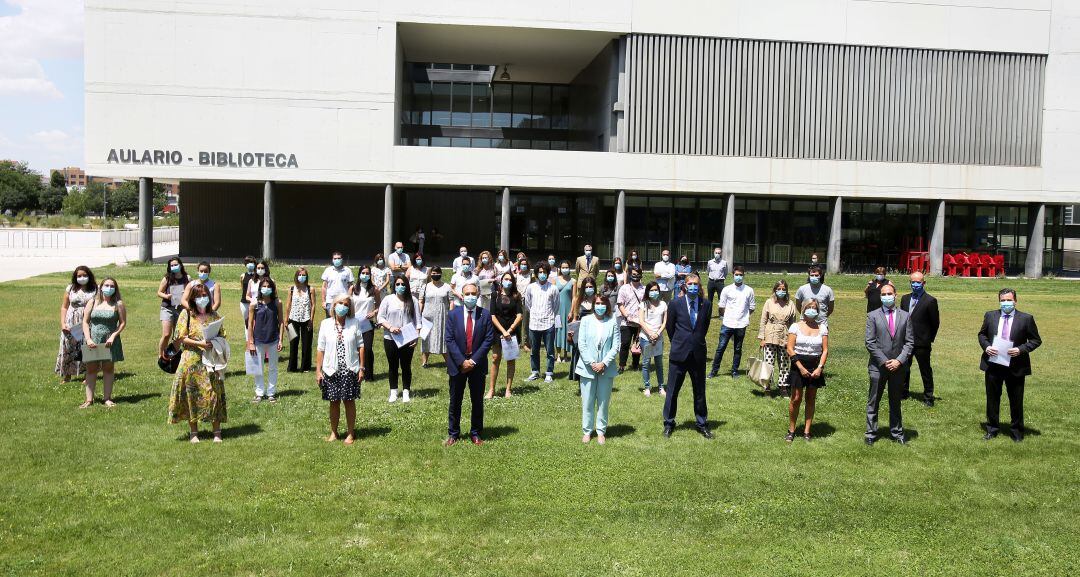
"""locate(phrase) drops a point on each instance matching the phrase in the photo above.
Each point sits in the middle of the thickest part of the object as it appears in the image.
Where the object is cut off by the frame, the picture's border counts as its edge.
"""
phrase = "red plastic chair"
(999, 261)
(989, 265)
(948, 265)
(962, 266)
(976, 264)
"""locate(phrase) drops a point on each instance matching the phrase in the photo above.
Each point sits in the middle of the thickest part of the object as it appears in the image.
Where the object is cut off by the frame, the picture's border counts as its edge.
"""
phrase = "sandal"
(193, 437)
(109, 403)
(217, 436)
(790, 436)
(807, 437)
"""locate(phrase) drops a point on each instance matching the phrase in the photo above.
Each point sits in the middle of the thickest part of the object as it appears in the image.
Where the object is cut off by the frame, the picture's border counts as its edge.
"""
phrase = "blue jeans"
(646, 364)
(548, 337)
(728, 334)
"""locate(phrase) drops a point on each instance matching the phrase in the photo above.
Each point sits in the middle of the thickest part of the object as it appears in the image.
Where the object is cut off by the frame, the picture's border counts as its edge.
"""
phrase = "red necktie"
(468, 334)
(892, 326)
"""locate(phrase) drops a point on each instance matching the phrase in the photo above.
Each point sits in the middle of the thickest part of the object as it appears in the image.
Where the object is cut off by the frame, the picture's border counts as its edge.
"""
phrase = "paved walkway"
(20, 263)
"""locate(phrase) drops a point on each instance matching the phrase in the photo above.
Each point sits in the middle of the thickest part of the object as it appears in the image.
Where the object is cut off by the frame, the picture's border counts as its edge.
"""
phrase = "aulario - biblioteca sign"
(215, 159)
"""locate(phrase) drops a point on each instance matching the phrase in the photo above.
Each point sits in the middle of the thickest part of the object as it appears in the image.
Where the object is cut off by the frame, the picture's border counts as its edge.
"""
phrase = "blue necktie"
(693, 313)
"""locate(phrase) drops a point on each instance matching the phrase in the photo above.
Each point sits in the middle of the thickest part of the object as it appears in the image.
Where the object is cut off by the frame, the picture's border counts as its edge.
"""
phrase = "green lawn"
(120, 492)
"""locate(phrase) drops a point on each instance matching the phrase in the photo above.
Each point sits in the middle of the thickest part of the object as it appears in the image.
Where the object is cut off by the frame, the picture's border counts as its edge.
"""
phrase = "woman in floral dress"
(198, 394)
(82, 290)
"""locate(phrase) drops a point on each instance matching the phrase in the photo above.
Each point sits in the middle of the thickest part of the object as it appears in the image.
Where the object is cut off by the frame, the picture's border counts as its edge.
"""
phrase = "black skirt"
(795, 378)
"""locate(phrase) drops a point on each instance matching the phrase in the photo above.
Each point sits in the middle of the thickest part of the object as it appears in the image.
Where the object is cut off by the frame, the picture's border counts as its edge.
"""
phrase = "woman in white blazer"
(598, 346)
(340, 365)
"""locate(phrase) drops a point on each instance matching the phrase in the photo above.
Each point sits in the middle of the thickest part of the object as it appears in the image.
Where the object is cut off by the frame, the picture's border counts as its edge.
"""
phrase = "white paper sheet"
(1002, 347)
(251, 363)
(176, 294)
(407, 335)
(213, 329)
(425, 328)
(101, 353)
(510, 349)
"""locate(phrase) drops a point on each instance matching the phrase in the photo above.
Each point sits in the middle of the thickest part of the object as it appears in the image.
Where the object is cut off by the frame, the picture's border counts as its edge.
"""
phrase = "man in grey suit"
(890, 340)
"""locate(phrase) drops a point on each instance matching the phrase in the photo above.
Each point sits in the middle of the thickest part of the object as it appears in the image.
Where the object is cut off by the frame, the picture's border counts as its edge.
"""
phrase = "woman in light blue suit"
(598, 346)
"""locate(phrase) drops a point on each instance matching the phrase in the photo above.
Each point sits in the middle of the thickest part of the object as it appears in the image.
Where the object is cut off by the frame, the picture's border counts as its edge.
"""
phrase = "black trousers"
(627, 336)
(921, 354)
(715, 286)
(399, 358)
(997, 375)
(880, 380)
(369, 356)
(303, 341)
(475, 382)
(677, 372)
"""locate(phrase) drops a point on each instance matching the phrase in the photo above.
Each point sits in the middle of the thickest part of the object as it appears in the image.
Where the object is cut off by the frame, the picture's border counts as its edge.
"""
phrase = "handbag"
(635, 348)
(171, 362)
(760, 372)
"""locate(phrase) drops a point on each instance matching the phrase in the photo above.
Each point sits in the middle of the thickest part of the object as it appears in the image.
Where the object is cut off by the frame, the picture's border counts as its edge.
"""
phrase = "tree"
(51, 199)
(57, 180)
(20, 186)
(159, 198)
(77, 204)
(124, 199)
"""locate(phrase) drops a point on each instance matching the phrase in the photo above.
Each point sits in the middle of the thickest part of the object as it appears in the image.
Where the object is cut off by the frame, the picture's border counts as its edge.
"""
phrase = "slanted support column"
(388, 219)
(146, 219)
(619, 248)
(832, 260)
(504, 222)
(937, 238)
(268, 221)
(729, 230)
(1033, 268)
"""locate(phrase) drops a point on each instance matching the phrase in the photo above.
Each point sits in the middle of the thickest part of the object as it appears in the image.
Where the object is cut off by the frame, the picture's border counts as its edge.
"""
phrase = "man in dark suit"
(1020, 329)
(925, 320)
(890, 340)
(469, 334)
(687, 325)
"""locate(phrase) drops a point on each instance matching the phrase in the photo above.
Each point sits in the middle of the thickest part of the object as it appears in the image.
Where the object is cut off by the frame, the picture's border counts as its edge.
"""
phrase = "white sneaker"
(533, 376)
(405, 396)
(547, 377)
(393, 396)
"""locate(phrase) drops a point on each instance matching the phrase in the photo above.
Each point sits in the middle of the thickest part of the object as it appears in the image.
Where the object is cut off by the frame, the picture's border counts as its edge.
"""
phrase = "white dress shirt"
(542, 300)
(665, 275)
(737, 300)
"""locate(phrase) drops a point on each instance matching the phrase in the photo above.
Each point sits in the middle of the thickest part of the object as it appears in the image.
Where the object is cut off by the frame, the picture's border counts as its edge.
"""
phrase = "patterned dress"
(436, 307)
(69, 358)
(343, 385)
(197, 394)
(103, 322)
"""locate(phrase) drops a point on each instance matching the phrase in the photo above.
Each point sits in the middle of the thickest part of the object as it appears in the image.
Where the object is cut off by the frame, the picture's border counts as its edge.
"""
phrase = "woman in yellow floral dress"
(198, 394)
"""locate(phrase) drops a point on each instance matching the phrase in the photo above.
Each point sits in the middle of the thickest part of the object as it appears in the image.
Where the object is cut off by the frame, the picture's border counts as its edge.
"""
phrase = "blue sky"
(41, 82)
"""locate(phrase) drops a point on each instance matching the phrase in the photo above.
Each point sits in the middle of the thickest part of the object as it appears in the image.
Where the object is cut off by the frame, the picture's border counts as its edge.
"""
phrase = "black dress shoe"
(901, 440)
(989, 436)
(1016, 436)
(705, 432)
(869, 441)
(929, 401)
(667, 431)
(904, 395)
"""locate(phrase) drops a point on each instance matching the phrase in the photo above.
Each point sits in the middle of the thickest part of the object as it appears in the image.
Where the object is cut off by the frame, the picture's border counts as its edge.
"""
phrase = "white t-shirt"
(337, 281)
(807, 344)
(654, 315)
(665, 275)
(395, 259)
(737, 302)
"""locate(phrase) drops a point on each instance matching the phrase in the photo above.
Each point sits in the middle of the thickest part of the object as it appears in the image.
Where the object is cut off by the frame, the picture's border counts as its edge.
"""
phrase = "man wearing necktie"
(469, 334)
(687, 324)
(1018, 328)
(890, 341)
(587, 264)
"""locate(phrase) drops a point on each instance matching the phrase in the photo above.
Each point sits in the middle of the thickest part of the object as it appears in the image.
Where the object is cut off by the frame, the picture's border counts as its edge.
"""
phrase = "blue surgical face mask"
(204, 276)
(524, 268)
(565, 270)
(917, 286)
(400, 289)
(466, 268)
(502, 258)
(879, 277)
(600, 309)
(551, 262)
(399, 250)
(485, 260)
(266, 291)
(470, 301)
(1008, 307)
(666, 258)
(588, 253)
(618, 266)
(611, 279)
(301, 278)
(175, 268)
(815, 280)
(337, 262)
(507, 284)
(260, 271)
(251, 267)
(365, 278)
(379, 262)
(542, 276)
(692, 289)
(716, 255)
(341, 310)
(108, 290)
(888, 300)
(654, 295)
(781, 294)
(811, 313)
(82, 280)
(738, 279)
(201, 302)
(590, 291)
(419, 262)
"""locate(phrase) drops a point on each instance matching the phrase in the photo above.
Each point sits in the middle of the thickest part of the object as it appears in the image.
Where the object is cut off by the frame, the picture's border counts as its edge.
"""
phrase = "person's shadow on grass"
(134, 398)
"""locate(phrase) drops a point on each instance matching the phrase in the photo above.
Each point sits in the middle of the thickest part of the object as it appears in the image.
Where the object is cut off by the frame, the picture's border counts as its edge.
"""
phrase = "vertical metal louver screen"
(724, 97)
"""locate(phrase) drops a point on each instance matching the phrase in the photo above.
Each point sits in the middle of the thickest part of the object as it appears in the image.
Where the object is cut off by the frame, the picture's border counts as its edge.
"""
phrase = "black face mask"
(635, 279)
(436, 277)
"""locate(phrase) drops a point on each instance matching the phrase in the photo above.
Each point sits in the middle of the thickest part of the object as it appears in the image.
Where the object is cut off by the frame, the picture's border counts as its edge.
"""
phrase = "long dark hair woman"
(171, 291)
(365, 305)
(400, 313)
(506, 314)
(80, 291)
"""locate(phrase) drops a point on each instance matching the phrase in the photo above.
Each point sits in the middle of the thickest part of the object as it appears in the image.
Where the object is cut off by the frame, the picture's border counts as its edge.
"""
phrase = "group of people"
(598, 321)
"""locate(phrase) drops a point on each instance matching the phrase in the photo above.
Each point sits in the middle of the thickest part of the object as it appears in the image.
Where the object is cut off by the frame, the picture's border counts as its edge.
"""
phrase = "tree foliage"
(20, 187)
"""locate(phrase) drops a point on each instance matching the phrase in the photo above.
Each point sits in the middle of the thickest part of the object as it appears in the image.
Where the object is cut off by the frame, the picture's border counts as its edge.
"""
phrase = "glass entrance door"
(542, 224)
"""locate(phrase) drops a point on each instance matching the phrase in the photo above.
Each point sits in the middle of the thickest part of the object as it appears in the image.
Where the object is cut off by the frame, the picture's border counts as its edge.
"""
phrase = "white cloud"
(25, 77)
(55, 140)
(42, 29)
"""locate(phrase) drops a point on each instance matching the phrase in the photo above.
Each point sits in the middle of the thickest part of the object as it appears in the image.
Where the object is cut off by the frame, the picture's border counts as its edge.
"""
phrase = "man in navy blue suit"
(687, 325)
(469, 333)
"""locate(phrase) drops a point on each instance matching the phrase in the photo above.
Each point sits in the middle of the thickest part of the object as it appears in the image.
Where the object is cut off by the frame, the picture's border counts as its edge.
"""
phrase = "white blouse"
(809, 345)
(392, 314)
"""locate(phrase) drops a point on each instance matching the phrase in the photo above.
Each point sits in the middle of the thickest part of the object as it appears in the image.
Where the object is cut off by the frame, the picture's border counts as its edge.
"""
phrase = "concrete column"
(1033, 268)
(937, 238)
(504, 226)
(728, 244)
(619, 248)
(832, 257)
(146, 219)
(268, 221)
(388, 219)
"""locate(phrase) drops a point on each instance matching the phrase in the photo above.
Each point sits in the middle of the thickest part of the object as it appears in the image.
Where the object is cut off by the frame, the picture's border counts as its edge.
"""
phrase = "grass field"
(120, 492)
